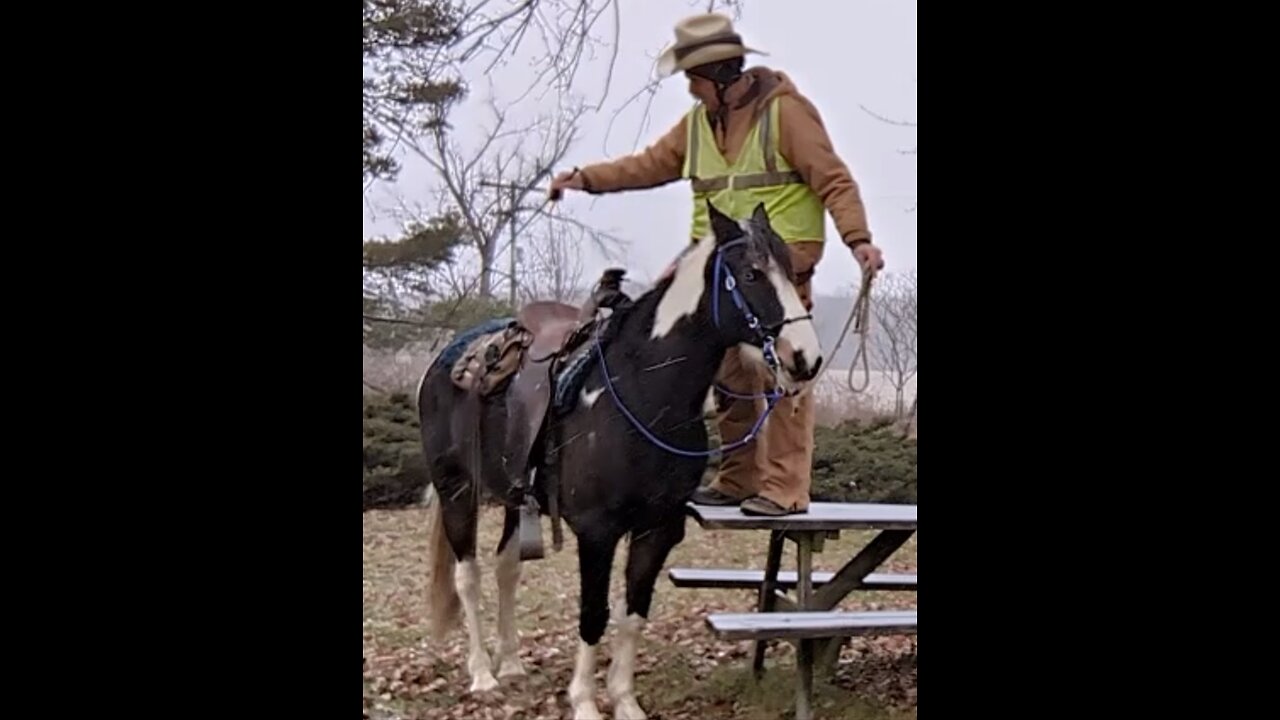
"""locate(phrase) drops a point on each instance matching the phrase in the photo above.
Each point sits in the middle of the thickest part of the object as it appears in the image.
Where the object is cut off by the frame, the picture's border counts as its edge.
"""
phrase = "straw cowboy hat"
(702, 39)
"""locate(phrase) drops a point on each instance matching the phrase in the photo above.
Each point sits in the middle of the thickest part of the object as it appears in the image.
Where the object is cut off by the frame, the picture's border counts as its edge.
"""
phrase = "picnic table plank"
(752, 579)
(726, 578)
(811, 625)
(821, 516)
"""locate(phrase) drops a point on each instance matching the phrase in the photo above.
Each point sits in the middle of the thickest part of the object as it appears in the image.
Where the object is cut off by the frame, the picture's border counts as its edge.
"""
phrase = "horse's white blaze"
(508, 573)
(582, 690)
(622, 670)
(466, 576)
(801, 335)
(686, 288)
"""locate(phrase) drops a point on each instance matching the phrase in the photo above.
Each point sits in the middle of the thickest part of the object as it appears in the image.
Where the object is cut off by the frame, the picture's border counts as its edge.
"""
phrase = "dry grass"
(682, 671)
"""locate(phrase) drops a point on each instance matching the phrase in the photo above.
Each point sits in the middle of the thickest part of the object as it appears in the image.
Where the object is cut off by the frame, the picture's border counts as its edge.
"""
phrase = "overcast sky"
(840, 54)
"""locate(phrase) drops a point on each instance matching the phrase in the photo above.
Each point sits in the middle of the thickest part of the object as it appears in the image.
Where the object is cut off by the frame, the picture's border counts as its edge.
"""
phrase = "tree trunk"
(486, 269)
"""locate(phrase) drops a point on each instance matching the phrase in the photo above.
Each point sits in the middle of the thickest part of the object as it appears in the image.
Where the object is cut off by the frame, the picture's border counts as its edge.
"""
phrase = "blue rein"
(767, 347)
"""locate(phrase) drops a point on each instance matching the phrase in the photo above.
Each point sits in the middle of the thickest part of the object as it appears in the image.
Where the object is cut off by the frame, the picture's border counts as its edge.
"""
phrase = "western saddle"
(525, 359)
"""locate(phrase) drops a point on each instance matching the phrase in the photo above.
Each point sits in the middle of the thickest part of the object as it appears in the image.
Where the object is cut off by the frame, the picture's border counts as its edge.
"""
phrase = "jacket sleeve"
(804, 142)
(660, 163)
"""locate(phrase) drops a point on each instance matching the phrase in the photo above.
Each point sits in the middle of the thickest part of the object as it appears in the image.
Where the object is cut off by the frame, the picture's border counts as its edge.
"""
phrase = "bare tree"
(417, 54)
(900, 123)
(909, 427)
(894, 341)
(563, 32)
(417, 51)
(488, 185)
(552, 265)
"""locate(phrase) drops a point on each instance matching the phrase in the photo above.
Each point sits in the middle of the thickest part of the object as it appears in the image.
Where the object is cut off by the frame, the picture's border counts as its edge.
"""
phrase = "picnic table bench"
(811, 618)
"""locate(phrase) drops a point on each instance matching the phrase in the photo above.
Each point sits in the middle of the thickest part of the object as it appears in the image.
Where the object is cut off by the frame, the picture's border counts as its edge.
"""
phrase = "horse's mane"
(763, 246)
(621, 315)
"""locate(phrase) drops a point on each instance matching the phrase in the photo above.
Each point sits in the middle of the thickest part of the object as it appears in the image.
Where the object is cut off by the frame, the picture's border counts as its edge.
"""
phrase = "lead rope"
(861, 313)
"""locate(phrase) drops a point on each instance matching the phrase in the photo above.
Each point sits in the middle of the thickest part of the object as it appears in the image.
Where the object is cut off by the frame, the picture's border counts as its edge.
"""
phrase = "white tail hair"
(443, 595)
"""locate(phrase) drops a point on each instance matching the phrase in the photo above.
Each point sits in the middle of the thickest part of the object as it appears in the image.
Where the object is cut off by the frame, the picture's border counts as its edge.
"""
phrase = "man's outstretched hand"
(567, 179)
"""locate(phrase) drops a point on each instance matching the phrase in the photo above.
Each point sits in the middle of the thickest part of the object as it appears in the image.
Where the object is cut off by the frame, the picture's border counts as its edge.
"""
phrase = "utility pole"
(511, 225)
(514, 193)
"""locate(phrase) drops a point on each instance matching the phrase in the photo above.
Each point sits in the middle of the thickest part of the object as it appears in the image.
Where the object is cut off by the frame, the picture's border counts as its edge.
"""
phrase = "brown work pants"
(778, 463)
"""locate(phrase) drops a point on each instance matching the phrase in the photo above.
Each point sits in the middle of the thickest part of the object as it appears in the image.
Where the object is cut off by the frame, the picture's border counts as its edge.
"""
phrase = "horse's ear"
(760, 216)
(723, 226)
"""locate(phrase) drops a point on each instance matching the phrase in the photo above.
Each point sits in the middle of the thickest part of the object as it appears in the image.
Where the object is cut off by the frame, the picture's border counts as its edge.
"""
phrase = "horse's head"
(754, 302)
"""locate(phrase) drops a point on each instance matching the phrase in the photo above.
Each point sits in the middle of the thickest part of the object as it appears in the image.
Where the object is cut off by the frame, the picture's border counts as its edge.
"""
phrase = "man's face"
(701, 89)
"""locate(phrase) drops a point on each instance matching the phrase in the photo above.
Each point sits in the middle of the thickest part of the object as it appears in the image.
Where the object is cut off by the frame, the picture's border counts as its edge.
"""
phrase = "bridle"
(765, 333)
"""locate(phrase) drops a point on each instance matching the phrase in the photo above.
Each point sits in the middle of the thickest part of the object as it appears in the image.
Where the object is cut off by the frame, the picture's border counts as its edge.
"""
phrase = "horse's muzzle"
(801, 370)
(798, 366)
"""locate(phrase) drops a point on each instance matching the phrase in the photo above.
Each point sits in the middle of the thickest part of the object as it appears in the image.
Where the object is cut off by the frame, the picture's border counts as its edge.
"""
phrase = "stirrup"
(530, 530)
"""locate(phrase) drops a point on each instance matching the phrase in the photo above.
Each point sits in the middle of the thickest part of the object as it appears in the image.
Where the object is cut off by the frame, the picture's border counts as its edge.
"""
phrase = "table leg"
(849, 577)
(804, 599)
(804, 697)
(767, 596)
(804, 571)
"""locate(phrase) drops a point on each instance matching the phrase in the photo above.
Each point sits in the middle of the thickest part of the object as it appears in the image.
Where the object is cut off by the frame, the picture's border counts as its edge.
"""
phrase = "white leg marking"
(467, 576)
(508, 573)
(582, 691)
(709, 406)
(622, 670)
(686, 288)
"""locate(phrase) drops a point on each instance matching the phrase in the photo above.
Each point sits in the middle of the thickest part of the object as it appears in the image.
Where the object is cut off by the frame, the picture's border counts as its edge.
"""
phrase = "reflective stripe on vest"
(760, 175)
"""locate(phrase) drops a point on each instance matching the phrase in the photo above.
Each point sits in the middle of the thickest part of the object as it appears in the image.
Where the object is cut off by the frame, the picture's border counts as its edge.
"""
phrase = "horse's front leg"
(647, 554)
(595, 560)
(508, 573)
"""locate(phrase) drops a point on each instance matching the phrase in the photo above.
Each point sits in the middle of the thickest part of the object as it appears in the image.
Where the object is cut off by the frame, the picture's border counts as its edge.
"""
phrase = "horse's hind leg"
(508, 573)
(461, 519)
(645, 558)
(595, 561)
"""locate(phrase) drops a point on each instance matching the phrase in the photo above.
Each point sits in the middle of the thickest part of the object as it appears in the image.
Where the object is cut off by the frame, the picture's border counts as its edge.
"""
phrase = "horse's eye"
(750, 275)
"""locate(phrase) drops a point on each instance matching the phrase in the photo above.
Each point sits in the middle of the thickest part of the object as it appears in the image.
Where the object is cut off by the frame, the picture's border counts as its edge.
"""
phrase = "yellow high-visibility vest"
(760, 175)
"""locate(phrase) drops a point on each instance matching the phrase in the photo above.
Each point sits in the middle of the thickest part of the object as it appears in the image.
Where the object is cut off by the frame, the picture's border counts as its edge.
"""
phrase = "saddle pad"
(569, 380)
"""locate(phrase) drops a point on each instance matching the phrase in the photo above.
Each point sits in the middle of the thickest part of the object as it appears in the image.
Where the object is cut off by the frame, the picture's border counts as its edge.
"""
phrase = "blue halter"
(767, 343)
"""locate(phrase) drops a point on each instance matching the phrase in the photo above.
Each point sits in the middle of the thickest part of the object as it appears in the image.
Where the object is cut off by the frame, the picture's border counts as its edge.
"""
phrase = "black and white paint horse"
(634, 448)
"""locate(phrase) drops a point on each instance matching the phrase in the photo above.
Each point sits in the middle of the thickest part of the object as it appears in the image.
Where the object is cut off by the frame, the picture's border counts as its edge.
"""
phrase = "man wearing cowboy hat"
(750, 138)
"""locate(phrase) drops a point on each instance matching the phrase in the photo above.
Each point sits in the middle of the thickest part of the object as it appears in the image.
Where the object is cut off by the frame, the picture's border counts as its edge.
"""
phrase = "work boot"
(760, 505)
(708, 495)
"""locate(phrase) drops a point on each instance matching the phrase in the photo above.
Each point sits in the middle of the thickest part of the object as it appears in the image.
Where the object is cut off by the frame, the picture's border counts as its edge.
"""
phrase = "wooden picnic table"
(809, 619)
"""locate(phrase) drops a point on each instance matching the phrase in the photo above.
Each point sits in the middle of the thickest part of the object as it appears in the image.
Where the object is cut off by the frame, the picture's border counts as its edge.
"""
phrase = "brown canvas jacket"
(803, 141)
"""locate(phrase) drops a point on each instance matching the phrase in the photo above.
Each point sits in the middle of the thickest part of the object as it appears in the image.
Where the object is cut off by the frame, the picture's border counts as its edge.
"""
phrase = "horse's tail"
(445, 603)
(443, 594)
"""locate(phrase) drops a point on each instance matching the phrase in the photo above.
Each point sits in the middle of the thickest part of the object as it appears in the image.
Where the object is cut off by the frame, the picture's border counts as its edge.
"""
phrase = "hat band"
(724, 39)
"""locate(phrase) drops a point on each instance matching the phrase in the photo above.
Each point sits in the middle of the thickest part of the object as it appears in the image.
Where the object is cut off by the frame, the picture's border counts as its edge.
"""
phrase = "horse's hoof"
(484, 683)
(510, 668)
(628, 709)
(586, 712)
